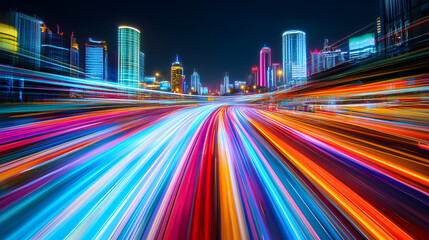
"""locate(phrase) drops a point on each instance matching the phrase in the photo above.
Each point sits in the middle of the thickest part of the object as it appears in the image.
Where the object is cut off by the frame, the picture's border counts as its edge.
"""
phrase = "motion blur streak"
(208, 171)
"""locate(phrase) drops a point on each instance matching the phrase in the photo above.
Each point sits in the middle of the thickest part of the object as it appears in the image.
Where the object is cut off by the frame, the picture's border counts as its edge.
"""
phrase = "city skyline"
(159, 47)
(221, 120)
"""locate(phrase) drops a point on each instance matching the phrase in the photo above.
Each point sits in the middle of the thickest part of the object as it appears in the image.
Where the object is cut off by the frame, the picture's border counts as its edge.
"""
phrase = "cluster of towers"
(291, 72)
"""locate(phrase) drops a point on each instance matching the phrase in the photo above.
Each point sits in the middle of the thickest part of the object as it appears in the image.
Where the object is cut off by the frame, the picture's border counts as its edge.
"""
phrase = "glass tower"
(141, 67)
(29, 39)
(264, 65)
(195, 82)
(276, 76)
(96, 60)
(74, 57)
(177, 76)
(55, 49)
(128, 56)
(294, 57)
(226, 82)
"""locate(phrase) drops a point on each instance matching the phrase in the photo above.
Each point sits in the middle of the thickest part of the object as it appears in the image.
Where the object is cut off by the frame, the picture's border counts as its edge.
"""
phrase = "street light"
(157, 74)
(254, 86)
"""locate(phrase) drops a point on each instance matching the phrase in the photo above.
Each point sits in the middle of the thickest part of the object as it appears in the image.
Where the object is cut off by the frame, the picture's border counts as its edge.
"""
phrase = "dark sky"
(213, 37)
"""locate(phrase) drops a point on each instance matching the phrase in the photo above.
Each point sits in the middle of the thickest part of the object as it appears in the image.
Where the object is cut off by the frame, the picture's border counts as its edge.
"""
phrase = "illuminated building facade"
(128, 56)
(10, 88)
(402, 25)
(74, 57)
(141, 66)
(177, 76)
(29, 39)
(239, 85)
(250, 80)
(362, 46)
(8, 38)
(255, 73)
(294, 57)
(264, 66)
(164, 86)
(327, 58)
(226, 82)
(221, 89)
(276, 76)
(96, 60)
(55, 51)
(195, 82)
(316, 62)
(185, 84)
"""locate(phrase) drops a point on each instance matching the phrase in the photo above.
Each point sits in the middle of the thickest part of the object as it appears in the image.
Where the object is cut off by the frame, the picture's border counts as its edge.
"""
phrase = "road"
(89, 171)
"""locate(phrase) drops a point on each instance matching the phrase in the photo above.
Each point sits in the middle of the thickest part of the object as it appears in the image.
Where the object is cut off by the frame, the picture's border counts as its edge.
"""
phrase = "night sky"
(213, 37)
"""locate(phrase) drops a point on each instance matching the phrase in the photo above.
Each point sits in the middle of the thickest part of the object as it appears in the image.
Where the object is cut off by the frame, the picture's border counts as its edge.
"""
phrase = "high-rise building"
(250, 80)
(264, 66)
(74, 57)
(294, 57)
(239, 85)
(56, 51)
(195, 82)
(29, 39)
(96, 60)
(276, 76)
(362, 46)
(402, 25)
(128, 56)
(221, 89)
(8, 38)
(177, 76)
(185, 84)
(255, 73)
(316, 62)
(327, 58)
(10, 87)
(226, 82)
(141, 66)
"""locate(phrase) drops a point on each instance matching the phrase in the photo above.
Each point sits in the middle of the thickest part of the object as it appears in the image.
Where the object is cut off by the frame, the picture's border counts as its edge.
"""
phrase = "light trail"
(212, 171)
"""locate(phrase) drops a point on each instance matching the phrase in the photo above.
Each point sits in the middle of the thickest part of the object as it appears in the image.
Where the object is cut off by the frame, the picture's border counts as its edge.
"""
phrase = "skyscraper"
(177, 76)
(55, 49)
(185, 84)
(96, 60)
(276, 76)
(402, 25)
(8, 38)
(255, 73)
(316, 62)
(250, 79)
(141, 67)
(264, 66)
(327, 58)
(195, 82)
(294, 57)
(74, 56)
(128, 56)
(226, 82)
(29, 39)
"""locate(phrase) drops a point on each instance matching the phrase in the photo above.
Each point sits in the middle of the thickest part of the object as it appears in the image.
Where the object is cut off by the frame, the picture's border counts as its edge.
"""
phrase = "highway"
(209, 171)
